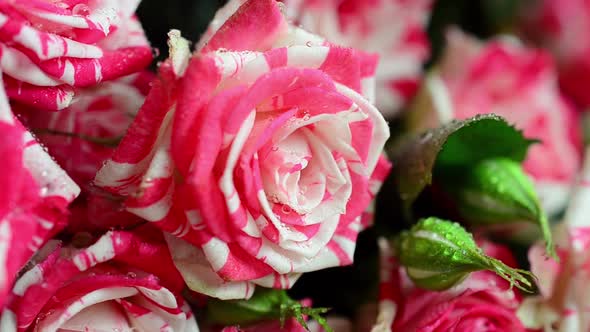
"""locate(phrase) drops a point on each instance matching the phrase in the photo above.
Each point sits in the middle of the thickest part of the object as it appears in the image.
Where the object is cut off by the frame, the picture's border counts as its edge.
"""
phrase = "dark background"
(483, 18)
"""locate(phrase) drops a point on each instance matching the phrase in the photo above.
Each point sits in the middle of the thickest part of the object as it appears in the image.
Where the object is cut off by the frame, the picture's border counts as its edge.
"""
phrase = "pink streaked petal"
(199, 276)
(130, 159)
(87, 72)
(53, 322)
(51, 98)
(191, 100)
(254, 26)
(103, 316)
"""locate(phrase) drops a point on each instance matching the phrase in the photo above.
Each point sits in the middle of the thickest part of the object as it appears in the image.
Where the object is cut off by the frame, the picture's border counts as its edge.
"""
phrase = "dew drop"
(81, 9)
(286, 209)
(44, 191)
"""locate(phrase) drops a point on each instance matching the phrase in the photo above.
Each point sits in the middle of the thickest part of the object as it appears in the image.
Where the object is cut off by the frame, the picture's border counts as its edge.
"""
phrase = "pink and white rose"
(84, 135)
(123, 282)
(394, 29)
(34, 197)
(564, 285)
(483, 302)
(258, 154)
(563, 26)
(51, 47)
(520, 84)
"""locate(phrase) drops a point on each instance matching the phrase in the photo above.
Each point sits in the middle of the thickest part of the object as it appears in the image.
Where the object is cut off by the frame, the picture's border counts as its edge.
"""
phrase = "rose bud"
(498, 191)
(439, 254)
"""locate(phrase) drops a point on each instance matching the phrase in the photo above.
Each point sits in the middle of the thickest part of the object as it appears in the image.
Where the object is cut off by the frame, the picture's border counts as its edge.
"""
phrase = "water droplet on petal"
(286, 209)
(81, 9)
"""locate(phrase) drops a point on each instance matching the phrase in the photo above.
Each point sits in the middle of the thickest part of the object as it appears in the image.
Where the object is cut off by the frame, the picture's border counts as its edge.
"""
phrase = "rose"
(262, 162)
(34, 196)
(391, 28)
(564, 293)
(51, 47)
(82, 136)
(483, 302)
(519, 84)
(560, 26)
(123, 281)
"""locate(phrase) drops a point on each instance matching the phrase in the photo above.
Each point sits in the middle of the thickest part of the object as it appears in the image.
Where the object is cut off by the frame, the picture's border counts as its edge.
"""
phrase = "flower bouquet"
(294, 165)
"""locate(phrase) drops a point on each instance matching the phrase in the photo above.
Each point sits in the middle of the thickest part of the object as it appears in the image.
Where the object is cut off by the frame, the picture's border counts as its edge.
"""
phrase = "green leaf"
(439, 254)
(451, 147)
(265, 304)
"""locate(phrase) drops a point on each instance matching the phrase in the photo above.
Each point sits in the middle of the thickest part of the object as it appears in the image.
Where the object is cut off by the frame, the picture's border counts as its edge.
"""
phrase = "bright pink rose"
(82, 136)
(123, 282)
(34, 196)
(50, 47)
(565, 285)
(519, 84)
(483, 302)
(260, 159)
(563, 26)
(394, 29)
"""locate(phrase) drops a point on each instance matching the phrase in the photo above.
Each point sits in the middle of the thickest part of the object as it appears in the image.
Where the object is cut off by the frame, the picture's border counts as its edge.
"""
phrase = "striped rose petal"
(557, 26)
(50, 48)
(83, 135)
(394, 29)
(563, 285)
(103, 287)
(258, 159)
(33, 200)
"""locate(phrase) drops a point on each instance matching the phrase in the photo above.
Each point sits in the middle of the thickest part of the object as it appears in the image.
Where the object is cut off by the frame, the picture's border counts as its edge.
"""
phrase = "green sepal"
(439, 254)
(265, 304)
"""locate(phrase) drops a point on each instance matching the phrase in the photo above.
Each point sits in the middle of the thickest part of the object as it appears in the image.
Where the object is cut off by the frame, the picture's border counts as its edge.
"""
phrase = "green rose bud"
(439, 254)
(265, 304)
(498, 191)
